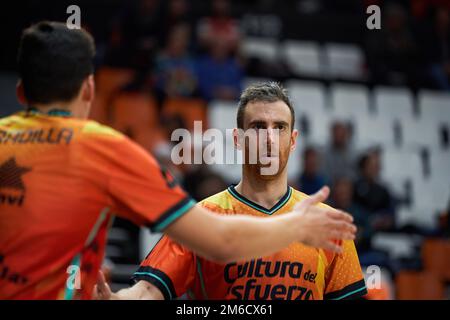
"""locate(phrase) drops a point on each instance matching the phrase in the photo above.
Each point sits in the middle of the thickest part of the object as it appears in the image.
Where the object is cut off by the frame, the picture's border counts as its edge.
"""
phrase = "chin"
(269, 177)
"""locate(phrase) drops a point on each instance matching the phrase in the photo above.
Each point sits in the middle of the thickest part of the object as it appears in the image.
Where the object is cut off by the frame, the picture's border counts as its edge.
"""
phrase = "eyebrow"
(280, 122)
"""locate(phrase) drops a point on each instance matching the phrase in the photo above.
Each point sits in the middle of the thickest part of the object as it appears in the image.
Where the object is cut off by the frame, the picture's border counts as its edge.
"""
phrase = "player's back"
(61, 178)
(52, 204)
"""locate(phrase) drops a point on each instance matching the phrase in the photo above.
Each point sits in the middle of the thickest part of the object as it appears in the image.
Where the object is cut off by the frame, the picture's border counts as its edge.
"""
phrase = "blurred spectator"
(339, 156)
(311, 180)
(372, 195)
(202, 182)
(162, 153)
(220, 75)
(134, 37)
(220, 26)
(162, 138)
(176, 12)
(392, 53)
(342, 198)
(175, 69)
(436, 48)
(419, 8)
(169, 123)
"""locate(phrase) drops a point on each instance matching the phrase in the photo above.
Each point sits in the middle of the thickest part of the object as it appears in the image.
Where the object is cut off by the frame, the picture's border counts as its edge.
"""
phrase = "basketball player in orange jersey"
(63, 177)
(297, 272)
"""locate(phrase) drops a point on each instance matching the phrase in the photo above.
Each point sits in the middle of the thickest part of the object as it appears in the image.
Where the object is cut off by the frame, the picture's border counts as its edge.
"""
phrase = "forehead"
(267, 112)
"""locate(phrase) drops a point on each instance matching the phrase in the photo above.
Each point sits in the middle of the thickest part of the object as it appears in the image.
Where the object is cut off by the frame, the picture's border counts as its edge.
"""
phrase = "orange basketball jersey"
(298, 272)
(61, 181)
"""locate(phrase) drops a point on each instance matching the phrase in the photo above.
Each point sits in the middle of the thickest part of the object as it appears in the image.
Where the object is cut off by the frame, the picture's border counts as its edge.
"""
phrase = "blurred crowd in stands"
(179, 52)
(183, 61)
(180, 59)
(176, 56)
(356, 186)
(161, 62)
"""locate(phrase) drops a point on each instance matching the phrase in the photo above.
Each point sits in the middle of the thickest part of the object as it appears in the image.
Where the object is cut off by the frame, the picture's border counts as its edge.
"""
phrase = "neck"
(261, 191)
(75, 110)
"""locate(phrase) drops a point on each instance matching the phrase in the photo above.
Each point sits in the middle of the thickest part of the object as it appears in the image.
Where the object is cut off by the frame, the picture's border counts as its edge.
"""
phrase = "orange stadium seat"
(110, 79)
(136, 115)
(382, 293)
(436, 257)
(189, 109)
(412, 285)
(99, 110)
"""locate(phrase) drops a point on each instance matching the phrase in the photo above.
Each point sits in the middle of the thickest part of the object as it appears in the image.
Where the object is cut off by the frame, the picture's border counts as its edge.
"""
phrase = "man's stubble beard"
(257, 168)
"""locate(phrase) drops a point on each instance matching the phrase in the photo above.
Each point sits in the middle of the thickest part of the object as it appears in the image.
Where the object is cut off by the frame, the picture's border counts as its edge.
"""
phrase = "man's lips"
(269, 156)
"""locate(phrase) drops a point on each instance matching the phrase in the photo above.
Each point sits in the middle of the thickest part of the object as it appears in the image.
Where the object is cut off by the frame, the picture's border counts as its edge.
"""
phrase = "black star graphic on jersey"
(11, 175)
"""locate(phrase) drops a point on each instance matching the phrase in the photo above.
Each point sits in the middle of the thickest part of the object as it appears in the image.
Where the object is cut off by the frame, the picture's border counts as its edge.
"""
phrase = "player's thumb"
(102, 288)
(319, 196)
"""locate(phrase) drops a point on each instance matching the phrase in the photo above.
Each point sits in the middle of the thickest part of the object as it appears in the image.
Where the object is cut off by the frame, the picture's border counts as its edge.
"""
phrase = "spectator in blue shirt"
(220, 75)
(311, 180)
(176, 74)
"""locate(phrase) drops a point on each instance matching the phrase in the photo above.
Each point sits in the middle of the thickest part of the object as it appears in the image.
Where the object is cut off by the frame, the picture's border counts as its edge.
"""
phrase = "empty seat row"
(386, 102)
(381, 116)
(305, 58)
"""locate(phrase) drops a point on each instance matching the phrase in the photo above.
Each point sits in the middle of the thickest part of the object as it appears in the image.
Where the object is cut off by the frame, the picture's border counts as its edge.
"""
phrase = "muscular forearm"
(225, 238)
(231, 238)
(248, 237)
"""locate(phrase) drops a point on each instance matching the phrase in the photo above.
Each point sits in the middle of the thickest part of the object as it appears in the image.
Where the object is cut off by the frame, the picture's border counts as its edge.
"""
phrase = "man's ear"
(294, 136)
(88, 89)
(20, 93)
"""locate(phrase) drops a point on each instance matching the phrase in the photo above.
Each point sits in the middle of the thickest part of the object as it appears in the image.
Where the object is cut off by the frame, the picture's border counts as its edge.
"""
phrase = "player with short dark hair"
(54, 61)
(297, 272)
(265, 92)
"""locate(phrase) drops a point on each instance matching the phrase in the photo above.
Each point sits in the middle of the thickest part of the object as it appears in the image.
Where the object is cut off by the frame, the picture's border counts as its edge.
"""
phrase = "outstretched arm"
(226, 239)
(231, 238)
(219, 238)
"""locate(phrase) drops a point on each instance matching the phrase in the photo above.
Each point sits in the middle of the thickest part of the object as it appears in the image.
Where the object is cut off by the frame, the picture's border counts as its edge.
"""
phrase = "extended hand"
(102, 291)
(322, 227)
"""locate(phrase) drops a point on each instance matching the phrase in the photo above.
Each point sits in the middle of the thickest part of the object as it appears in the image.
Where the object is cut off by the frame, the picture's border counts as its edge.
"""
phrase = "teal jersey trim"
(350, 293)
(52, 112)
(258, 207)
(157, 278)
(174, 215)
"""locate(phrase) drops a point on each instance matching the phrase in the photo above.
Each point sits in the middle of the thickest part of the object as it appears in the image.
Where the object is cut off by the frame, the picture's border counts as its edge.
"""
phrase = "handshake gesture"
(322, 226)
(310, 223)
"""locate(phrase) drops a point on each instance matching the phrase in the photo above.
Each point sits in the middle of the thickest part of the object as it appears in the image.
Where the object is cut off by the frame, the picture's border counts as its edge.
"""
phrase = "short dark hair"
(266, 92)
(53, 61)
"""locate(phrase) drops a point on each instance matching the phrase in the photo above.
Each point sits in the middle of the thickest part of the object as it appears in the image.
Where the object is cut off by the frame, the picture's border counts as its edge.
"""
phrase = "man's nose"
(272, 135)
